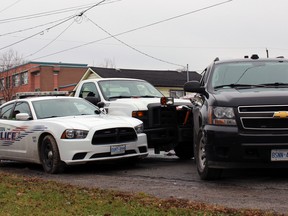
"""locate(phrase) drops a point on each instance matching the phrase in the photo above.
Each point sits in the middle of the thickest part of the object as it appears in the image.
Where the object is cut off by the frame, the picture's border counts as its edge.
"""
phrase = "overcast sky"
(143, 34)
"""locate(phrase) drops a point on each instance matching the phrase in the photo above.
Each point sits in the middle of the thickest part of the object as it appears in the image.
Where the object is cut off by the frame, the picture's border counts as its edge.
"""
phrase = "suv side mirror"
(194, 86)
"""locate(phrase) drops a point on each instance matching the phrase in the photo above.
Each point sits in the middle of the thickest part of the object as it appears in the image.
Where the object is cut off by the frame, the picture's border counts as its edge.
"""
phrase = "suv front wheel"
(201, 159)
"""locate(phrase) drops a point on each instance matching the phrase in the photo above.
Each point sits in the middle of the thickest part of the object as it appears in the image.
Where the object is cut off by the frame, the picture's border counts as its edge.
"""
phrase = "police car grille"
(114, 135)
(262, 117)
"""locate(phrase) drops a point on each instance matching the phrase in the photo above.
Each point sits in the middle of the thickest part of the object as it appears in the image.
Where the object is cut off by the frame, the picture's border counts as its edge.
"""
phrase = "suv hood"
(254, 96)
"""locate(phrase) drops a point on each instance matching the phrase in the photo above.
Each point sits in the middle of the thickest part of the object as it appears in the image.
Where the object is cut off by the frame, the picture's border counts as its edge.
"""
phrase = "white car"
(59, 131)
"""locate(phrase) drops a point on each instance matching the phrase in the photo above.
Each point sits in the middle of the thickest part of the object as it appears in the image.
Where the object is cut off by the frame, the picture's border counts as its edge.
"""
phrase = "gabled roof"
(159, 78)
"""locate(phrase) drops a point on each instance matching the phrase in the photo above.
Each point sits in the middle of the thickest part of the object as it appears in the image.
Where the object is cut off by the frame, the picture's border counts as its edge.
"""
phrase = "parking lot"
(166, 176)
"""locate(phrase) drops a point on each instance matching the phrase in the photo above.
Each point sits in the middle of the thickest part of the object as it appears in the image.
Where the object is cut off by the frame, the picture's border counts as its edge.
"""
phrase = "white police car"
(59, 131)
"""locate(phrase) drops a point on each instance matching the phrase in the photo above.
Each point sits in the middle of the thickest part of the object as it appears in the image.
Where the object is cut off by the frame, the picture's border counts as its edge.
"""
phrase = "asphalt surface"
(166, 176)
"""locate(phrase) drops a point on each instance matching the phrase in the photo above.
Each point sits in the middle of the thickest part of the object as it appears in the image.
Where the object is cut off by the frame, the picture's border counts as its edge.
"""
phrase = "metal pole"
(187, 73)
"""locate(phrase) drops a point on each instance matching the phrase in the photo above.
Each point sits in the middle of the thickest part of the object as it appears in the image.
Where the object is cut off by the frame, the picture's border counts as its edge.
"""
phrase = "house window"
(24, 78)
(7, 82)
(2, 84)
(16, 80)
(176, 93)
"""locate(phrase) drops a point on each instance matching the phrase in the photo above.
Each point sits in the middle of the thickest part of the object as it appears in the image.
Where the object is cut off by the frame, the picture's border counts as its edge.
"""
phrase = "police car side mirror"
(22, 116)
(101, 104)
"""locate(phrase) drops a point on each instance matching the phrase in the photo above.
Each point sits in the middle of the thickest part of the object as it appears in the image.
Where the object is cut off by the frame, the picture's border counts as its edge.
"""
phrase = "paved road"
(166, 176)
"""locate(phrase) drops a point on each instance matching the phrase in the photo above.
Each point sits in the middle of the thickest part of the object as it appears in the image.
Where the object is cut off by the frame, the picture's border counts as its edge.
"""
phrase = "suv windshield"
(250, 74)
(113, 89)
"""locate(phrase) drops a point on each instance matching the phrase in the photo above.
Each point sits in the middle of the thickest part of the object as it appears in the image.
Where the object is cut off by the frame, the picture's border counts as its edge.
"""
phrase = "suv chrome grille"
(114, 135)
(263, 117)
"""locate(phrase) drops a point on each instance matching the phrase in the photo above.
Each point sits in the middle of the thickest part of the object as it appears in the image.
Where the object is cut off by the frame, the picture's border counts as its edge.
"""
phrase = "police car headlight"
(221, 116)
(139, 128)
(74, 134)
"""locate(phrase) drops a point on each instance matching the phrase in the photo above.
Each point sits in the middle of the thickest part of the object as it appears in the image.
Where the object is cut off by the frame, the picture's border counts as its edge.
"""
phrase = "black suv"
(240, 115)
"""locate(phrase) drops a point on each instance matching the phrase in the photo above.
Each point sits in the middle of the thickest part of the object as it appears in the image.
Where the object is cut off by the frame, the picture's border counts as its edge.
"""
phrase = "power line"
(27, 29)
(133, 48)
(52, 40)
(41, 25)
(49, 13)
(41, 32)
(47, 29)
(37, 15)
(178, 16)
(136, 29)
(10, 6)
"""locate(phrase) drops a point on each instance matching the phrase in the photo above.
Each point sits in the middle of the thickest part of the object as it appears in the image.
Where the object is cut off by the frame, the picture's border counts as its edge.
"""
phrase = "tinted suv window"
(251, 73)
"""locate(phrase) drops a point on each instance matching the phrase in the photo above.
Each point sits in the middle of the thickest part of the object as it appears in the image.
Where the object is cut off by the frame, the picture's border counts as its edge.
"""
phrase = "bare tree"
(9, 61)
(109, 63)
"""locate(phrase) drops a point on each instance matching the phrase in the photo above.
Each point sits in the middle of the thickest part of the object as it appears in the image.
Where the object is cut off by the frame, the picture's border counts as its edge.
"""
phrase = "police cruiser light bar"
(44, 93)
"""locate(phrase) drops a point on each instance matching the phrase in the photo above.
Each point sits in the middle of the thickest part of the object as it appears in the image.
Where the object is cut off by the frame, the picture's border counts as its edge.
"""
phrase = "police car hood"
(94, 121)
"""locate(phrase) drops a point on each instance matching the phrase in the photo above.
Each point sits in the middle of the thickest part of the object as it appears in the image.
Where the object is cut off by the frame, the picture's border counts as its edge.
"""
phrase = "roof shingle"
(159, 78)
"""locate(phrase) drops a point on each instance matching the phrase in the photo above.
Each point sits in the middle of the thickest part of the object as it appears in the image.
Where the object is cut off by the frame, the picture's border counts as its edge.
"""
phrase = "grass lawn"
(33, 196)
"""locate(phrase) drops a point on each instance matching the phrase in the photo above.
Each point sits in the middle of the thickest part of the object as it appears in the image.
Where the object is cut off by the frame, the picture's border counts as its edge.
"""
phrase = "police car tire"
(49, 156)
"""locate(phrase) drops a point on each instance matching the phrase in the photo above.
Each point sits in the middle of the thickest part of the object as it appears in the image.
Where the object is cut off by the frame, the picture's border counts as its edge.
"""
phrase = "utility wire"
(37, 15)
(47, 29)
(176, 17)
(34, 27)
(133, 48)
(49, 13)
(51, 41)
(23, 30)
(135, 29)
(41, 32)
(9, 6)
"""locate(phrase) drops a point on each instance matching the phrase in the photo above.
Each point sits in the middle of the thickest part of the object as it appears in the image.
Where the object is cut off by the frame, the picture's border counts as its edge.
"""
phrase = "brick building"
(40, 76)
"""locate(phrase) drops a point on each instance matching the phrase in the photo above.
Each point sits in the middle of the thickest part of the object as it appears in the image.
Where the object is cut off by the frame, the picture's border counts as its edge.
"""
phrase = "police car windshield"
(57, 107)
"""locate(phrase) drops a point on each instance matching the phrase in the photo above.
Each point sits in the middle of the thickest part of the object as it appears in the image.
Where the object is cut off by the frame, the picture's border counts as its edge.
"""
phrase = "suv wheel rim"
(202, 154)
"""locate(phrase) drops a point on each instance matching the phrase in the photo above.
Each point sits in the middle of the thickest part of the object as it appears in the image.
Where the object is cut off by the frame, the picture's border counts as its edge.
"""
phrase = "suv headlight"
(221, 116)
(139, 128)
(74, 134)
